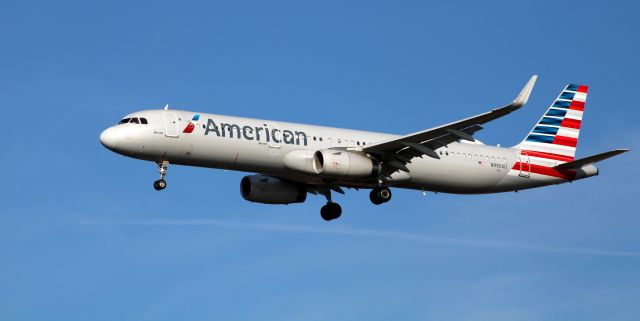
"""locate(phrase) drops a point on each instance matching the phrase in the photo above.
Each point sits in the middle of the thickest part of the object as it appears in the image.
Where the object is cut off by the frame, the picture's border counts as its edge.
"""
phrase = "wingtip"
(523, 97)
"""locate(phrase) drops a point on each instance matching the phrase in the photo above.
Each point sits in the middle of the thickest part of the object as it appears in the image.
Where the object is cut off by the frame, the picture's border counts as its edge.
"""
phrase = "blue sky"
(83, 235)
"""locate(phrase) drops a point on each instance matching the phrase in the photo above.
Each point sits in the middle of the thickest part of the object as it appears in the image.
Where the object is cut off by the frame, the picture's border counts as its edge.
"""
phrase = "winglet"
(523, 97)
(166, 107)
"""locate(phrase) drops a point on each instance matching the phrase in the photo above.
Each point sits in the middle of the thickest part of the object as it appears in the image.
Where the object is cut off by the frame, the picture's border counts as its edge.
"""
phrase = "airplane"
(292, 160)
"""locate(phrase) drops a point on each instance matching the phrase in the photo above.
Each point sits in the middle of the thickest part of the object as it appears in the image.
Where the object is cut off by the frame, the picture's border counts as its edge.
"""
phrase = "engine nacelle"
(300, 161)
(271, 190)
(339, 164)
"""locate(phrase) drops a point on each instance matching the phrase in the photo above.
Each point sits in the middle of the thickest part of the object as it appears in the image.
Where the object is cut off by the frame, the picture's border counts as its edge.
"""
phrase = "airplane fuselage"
(261, 146)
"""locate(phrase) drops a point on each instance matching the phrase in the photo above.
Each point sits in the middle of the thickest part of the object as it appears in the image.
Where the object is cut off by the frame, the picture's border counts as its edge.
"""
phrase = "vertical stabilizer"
(555, 136)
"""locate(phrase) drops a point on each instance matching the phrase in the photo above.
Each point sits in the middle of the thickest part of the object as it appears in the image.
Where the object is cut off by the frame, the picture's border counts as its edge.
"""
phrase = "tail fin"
(555, 136)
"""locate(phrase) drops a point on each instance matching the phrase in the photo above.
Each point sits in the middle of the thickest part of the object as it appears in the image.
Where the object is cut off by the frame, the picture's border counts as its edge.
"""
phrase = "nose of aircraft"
(109, 138)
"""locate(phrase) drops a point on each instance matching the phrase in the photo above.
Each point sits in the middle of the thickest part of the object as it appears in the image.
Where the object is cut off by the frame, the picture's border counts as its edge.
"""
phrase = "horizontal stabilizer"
(590, 160)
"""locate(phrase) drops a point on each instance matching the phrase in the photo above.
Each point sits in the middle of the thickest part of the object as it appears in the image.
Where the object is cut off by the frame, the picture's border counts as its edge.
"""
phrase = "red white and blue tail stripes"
(554, 138)
(556, 134)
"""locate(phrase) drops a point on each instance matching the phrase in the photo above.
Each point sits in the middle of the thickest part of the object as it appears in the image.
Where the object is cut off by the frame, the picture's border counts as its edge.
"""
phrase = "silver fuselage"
(260, 146)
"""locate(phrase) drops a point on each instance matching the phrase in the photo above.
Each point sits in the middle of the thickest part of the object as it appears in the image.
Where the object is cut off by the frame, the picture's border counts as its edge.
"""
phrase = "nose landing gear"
(160, 184)
(380, 195)
(162, 169)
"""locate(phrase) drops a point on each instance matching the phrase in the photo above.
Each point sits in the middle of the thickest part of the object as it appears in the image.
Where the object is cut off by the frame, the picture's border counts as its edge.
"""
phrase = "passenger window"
(143, 121)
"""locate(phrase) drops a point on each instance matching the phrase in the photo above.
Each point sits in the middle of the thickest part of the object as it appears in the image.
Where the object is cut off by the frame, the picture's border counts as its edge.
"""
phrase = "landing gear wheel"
(331, 211)
(162, 169)
(160, 184)
(380, 195)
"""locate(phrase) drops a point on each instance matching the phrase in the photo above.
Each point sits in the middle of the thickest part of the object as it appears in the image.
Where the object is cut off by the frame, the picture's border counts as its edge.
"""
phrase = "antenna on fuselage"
(166, 107)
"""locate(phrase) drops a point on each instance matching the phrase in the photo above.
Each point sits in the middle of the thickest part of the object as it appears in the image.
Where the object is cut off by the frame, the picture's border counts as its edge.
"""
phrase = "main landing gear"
(162, 169)
(380, 195)
(332, 210)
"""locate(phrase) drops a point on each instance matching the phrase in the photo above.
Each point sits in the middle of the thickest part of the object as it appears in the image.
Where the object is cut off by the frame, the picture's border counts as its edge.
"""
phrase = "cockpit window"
(134, 120)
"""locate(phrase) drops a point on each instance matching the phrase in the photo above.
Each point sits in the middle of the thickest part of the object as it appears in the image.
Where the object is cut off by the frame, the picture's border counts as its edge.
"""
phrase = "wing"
(397, 152)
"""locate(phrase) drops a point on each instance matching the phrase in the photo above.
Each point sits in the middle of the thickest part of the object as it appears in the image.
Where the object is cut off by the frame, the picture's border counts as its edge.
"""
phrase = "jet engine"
(271, 190)
(344, 164)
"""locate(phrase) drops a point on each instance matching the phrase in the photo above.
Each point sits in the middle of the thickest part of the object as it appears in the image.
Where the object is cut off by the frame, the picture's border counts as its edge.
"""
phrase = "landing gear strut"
(162, 169)
(380, 195)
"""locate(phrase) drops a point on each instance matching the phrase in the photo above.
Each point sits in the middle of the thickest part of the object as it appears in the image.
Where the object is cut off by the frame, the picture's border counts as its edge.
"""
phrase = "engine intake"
(271, 190)
(339, 164)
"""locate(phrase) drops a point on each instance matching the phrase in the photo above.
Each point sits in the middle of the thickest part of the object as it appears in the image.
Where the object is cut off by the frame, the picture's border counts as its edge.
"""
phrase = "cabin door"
(171, 124)
(525, 165)
(275, 136)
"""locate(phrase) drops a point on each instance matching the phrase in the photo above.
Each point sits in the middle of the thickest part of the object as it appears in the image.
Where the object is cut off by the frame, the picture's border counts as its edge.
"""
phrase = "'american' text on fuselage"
(257, 133)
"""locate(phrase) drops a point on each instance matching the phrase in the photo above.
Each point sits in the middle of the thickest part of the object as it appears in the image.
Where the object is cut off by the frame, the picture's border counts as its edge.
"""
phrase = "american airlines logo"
(192, 124)
(257, 133)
